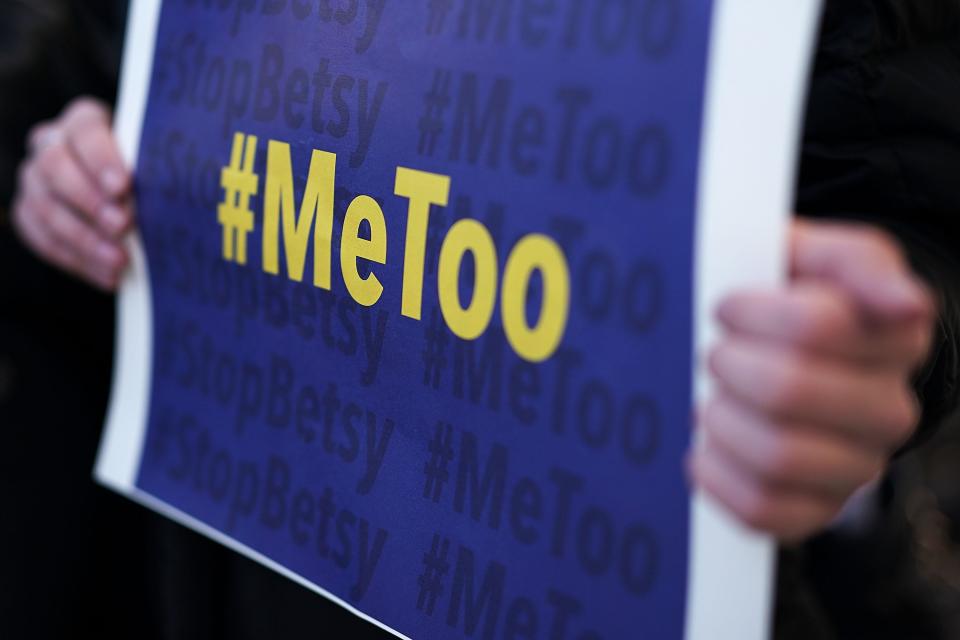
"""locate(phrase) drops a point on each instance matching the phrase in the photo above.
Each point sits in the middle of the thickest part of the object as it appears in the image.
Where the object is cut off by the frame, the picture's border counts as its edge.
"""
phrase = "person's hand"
(73, 202)
(813, 389)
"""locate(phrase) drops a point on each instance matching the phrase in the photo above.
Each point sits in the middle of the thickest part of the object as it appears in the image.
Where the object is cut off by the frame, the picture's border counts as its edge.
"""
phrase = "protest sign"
(419, 290)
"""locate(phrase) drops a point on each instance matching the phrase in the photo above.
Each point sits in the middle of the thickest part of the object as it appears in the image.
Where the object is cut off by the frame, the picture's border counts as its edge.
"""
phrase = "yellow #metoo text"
(534, 252)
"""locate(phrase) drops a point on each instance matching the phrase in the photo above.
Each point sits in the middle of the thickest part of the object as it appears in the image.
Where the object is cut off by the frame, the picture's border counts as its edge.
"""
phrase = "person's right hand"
(73, 203)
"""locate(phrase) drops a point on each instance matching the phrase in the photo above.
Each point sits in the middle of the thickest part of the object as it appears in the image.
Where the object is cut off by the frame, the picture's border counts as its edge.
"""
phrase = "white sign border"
(760, 57)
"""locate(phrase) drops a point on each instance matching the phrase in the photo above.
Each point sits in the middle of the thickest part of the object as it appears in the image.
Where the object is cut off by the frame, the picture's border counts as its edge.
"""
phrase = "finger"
(821, 318)
(866, 263)
(112, 219)
(787, 456)
(81, 249)
(59, 172)
(86, 111)
(36, 236)
(100, 260)
(43, 135)
(784, 514)
(874, 407)
(92, 142)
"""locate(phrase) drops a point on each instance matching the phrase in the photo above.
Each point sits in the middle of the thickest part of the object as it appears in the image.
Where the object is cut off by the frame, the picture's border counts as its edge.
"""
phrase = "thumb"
(865, 263)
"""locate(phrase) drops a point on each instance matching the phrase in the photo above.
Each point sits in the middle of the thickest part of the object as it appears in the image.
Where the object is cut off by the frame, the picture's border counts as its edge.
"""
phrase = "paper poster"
(419, 290)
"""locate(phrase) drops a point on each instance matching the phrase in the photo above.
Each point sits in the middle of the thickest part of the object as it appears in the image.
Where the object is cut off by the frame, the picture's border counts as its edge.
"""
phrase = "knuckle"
(88, 132)
(921, 343)
(819, 323)
(877, 236)
(910, 411)
(712, 414)
(42, 212)
(757, 509)
(715, 357)
(59, 224)
(34, 185)
(37, 132)
(782, 461)
(880, 245)
(786, 385)
(86, 242)
(903, 415)
(67, 258)
(85, 108)
(50, 161)
(78, 137)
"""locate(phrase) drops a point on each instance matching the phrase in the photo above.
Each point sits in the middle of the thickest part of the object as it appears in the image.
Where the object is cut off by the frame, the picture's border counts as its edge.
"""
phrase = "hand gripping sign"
(418, 291)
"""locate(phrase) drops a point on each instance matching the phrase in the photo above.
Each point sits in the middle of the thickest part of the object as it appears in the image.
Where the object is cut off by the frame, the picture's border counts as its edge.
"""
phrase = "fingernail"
(113, 181)
(113, 219)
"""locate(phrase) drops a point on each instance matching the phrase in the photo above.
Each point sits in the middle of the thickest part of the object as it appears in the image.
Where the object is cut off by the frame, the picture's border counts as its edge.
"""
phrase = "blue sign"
(422, 297)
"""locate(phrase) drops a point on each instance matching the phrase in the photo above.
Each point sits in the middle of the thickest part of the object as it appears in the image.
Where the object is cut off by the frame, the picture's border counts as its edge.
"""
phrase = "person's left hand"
(813, 381)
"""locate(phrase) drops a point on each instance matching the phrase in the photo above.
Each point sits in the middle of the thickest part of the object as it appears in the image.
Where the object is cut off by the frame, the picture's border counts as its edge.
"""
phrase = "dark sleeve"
(882, 145)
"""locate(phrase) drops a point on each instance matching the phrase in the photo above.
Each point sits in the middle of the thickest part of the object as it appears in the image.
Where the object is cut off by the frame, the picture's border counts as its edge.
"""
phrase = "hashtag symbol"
(160, 436)
(441, 454)
(436, 228)
(438, 16)
(165, 347)
(434, 356)
(239, 183)
(149, 167)
(436, 101)
(435, 566)
(160, 74)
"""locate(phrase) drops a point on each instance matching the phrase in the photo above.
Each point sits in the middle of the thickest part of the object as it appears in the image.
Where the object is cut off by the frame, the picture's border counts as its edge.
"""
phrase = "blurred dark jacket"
(881, 144)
